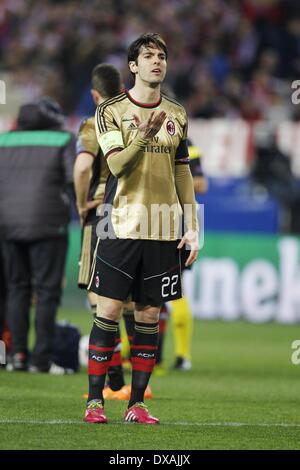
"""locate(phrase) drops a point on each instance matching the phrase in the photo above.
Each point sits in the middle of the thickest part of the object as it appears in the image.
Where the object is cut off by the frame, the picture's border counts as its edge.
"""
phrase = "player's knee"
(110, 311)
(128, 307)
(148, 315)
(112, 315)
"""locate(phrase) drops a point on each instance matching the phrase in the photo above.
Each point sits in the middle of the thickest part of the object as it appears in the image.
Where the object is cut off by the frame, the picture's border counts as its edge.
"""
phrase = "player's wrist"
(81, 208)
(192, 230)
(141, 141)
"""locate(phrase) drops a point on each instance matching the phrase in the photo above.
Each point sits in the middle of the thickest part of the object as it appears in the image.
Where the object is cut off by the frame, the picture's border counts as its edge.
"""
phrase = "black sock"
(115, 371)
(163, 322)
(160, 346)
(129, 324)
(143, 356)
(101, 348)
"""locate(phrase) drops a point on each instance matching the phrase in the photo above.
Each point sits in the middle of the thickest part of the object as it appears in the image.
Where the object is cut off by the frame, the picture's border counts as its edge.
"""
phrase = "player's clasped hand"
(191, 238)
(82, 211)
(152, 125)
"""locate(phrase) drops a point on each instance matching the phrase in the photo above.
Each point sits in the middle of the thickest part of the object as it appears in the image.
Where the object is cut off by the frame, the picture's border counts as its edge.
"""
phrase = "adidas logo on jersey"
(132, 127)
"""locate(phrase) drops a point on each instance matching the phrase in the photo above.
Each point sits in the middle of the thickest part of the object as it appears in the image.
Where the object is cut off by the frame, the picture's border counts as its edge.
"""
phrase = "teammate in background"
(90, 175)
(143, 138)
(182, 318)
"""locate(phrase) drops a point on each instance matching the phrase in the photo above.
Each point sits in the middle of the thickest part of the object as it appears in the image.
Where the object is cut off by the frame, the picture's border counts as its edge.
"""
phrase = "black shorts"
(88, 245)
(147, 271)
(184, 256)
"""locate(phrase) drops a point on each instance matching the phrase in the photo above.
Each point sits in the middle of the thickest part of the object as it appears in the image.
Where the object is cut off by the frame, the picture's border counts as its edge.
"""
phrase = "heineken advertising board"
(251, 277)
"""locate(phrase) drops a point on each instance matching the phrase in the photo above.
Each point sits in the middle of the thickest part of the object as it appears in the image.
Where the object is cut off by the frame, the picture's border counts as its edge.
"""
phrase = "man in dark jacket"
(2, 293)
(36, 164)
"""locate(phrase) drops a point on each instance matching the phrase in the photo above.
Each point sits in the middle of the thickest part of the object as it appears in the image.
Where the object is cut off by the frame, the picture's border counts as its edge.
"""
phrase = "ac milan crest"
(171, 127)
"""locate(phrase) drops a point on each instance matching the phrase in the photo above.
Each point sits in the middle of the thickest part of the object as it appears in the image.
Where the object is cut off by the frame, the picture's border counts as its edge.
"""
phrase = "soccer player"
(90, 175)
(182, 319)
(143, 138)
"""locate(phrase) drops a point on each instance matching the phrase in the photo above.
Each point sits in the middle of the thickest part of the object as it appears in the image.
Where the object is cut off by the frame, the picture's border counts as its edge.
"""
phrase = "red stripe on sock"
(100, 349)
(115, 360)
(143, 365)
(147, 347)
(96, 368)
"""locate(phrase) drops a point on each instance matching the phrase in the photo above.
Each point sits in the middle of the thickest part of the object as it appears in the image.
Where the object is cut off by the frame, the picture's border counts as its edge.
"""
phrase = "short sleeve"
(108, 133)
(86, 139)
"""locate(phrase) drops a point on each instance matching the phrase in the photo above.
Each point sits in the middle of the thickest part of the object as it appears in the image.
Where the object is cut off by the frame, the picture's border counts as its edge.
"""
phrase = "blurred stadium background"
(233, 65)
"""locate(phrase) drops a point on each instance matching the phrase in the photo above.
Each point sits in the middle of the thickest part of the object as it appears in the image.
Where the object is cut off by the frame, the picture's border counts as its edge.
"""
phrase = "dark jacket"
(36, 167)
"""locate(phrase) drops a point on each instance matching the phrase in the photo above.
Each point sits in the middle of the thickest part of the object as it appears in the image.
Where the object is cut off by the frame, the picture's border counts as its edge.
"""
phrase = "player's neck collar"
(143, 105)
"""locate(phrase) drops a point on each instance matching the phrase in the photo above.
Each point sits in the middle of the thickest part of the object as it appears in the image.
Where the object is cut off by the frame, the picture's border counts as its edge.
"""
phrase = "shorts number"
(166, 281)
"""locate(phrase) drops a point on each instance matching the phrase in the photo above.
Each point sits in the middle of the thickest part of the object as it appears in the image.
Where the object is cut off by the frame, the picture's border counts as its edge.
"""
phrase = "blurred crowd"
(228, 58)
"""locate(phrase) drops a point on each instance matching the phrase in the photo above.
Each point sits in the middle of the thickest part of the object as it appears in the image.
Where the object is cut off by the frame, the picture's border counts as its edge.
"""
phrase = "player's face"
(151, 65)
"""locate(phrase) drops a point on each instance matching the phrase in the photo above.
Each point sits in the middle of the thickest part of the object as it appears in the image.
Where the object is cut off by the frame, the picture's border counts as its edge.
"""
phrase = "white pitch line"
(216, 424)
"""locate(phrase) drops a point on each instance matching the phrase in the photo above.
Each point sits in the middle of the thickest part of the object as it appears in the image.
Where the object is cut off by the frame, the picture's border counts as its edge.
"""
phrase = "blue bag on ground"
(66, 346)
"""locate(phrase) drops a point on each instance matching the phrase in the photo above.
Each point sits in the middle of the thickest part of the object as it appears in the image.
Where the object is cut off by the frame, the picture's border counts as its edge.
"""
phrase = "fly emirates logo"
(154, 147)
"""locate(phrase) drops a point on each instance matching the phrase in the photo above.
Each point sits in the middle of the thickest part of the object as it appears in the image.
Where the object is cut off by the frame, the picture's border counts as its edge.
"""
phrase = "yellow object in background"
(182, 321)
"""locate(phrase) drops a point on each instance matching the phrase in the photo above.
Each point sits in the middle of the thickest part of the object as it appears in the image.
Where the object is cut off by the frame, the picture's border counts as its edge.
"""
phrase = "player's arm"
(87, 149)
(82, 178)
(121, 159)
(186, 196)
(200, 184)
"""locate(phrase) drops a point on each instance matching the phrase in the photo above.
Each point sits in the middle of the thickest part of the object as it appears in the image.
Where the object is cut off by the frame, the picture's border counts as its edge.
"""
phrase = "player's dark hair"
(147, 39)
(106, 79)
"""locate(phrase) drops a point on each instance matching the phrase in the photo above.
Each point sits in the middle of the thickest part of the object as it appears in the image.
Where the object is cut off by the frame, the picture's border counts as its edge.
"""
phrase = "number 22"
(166, 281)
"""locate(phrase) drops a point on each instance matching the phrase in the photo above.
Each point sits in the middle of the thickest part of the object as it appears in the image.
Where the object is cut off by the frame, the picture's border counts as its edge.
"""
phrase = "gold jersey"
(87, 142)
(144, 201)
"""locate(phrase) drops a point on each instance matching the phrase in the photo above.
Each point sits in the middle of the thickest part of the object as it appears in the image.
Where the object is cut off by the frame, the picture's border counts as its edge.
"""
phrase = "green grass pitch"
(242, 393)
